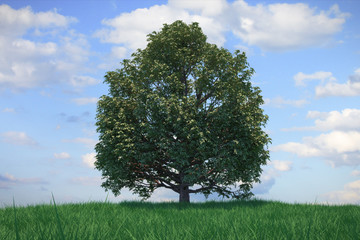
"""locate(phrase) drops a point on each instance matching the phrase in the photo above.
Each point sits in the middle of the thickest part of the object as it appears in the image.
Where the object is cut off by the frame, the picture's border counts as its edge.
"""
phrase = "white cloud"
(84, 101)
(347, 119)
(17, 138)
(355, 173)
(337, 147)
(63, 155)
(9, 110)
(329, 85)
(301, 78)
(131, 29)
(267, 182)
(332, 88)
(89, 159)
(82, 81)
(203, 7)
(277, 27)
(274, 169)
(111, 60)
(87, 181)
(8, 180)
(89, 142)
(349, 195)
(273, 27)
(118, 52)
(280, 102)
(15, 23)
(27, 63)
(281, 166)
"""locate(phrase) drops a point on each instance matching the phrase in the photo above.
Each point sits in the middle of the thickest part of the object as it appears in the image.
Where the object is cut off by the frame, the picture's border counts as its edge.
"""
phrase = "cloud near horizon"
(350, 194)
(8, 180)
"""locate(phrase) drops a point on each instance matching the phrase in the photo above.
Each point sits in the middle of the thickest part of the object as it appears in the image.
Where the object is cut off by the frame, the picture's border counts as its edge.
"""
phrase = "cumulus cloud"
(63, 155)
(277, 27)
(17, 22)
(87, 181)
(27, 63)
(281, 166)
(118, 52)
(9, 110)
(349, 195)
(301, 78)
(8, 180)
(274, 169)
(272, 27)
(111, 60)
(82, 81)
(355, 173)
(345, 120)
(88, 142)
(17, 138)
(76, 118)
(267, 182)
(131, 29)
(89, 159)
(329, 86)
(348, 89)
(337, 147)
(203, 7)
(84, 101)
(280, 102)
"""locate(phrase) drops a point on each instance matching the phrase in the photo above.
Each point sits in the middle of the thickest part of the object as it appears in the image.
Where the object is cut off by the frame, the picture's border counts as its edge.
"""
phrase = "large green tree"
(182, 114)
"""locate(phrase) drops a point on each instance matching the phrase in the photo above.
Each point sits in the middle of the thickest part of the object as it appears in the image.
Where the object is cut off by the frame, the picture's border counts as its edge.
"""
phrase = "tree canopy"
(182, 114)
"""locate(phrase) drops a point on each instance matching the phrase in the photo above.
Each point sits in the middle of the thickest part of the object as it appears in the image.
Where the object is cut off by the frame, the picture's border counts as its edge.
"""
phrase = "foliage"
(181, 114)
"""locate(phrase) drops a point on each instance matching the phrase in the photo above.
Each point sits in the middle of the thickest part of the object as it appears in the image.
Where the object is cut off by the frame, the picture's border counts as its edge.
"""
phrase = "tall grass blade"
(106, 199)
(132, 236)
(58, 220)
(16, 224)
(311, 223)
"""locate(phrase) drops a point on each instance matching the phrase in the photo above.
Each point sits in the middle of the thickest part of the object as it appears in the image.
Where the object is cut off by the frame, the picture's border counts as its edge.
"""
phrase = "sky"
(54, 55)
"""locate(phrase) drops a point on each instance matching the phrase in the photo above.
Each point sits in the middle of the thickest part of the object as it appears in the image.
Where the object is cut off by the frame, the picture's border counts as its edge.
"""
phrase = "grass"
(254, 219)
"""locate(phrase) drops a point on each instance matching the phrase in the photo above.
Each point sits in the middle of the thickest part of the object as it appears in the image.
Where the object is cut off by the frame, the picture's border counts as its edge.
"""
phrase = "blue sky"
(54, 54)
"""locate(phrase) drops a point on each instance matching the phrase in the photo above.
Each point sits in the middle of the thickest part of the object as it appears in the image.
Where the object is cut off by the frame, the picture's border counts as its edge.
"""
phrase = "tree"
(181, 114)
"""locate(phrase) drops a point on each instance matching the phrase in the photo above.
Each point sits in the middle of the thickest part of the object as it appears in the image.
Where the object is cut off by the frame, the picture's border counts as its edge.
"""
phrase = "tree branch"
(207, 96)
(212, 185)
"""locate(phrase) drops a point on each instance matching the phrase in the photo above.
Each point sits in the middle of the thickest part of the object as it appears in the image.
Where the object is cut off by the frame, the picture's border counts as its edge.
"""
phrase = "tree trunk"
(184, 194)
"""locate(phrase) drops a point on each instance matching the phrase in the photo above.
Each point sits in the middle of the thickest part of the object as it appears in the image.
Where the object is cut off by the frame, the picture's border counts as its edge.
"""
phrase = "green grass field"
(254, 219)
